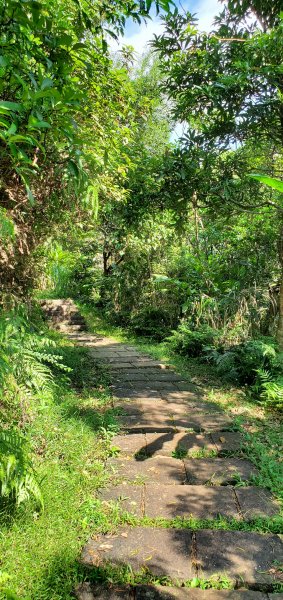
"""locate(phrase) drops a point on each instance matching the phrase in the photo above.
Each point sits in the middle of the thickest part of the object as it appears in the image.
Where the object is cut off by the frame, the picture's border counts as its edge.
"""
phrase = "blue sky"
(138, 35)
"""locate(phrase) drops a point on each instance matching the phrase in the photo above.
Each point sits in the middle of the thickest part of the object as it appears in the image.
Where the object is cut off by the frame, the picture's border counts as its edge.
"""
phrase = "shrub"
(239, 364)
(151, 322)
(192, 342)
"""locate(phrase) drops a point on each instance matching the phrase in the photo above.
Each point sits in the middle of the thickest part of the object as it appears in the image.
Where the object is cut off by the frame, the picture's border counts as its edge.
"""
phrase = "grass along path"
(71, 436)
(262, 429)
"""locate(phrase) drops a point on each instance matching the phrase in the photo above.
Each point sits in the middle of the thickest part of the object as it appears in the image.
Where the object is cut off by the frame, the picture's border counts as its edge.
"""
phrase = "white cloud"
(205, 11)
(140, 39)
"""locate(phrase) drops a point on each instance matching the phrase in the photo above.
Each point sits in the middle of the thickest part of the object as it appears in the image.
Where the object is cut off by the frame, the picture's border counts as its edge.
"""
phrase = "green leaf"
(35, 123)
(30, 195)
(14, 106)
(276, 184)
(3, 61)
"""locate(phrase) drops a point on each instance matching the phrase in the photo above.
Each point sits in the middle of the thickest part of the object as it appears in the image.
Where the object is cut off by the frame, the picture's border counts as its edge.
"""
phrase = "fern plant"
(270, 389)
(17, 477)
(26, 361)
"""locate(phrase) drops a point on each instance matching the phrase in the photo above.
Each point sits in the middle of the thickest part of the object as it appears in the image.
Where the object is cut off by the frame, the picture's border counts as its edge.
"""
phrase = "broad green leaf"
(276, 184)
(35, 123)
(3, 61)
(46, 84)
(12, 129)
(14, 106)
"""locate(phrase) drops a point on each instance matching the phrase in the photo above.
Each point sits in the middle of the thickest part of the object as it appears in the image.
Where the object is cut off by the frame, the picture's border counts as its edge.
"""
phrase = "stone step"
(156, 500)
(87, 591)
(137, 364)
(162, 469)
(178, 444)
(146, 374)
(195, 422)
(154, 470)
(245, 558)
(219, 471)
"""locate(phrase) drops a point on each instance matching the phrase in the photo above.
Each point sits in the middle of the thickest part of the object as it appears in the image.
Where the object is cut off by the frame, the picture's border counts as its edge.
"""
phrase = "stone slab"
(256, 502)
(130, 444)
(147, 423)
(119, 365)
(154, 470)
(130, 497)
(218, 471)
(227, 443)
(199, 422)
(245, 557)
(145, 547)
(135, 394)
(191, 396)
(177, 443)
(198, 501)
(128, 408)
(147, 363)
(151, 592)
(157, 385)
(133, 377)
(87, 591)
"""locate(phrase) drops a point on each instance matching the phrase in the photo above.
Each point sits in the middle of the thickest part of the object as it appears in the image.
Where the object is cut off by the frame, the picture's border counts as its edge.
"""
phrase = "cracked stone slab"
(189, 500)
(144, 548)
(130, 444)
(219, 471)
(227, 442)
(151, 592)
(164, 444)
(256, 502)
(245, 557)
(130, 498)
(154, 470)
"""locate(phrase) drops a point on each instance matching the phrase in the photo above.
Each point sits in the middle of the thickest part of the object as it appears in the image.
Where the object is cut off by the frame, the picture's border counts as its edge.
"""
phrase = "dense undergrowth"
(60, 437)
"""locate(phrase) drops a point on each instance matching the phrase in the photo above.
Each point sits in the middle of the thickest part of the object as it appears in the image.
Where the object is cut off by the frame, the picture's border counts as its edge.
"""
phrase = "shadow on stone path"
(179, 458)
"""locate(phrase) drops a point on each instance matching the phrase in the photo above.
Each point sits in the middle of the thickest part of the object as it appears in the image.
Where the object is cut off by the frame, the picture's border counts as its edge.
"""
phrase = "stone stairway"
(63, 315)
(178, 458)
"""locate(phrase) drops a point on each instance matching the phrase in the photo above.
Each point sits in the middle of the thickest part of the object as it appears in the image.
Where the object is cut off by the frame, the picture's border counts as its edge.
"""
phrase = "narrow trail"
(165, 424)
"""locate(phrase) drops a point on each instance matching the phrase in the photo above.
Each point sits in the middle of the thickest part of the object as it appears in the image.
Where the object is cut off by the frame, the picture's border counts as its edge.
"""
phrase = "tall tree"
(228, 85)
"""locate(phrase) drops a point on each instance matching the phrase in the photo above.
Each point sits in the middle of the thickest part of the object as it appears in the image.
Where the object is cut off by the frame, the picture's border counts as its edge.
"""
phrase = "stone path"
(178, 458)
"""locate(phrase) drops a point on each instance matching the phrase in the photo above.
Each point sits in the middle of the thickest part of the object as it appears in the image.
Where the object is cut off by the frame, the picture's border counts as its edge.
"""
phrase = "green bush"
(239, 364)
(153, 323)
(192, 342)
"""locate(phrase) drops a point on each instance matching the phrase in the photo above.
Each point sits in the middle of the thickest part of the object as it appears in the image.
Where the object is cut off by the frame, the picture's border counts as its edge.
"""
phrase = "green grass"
(71, 437)
(262, 429)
